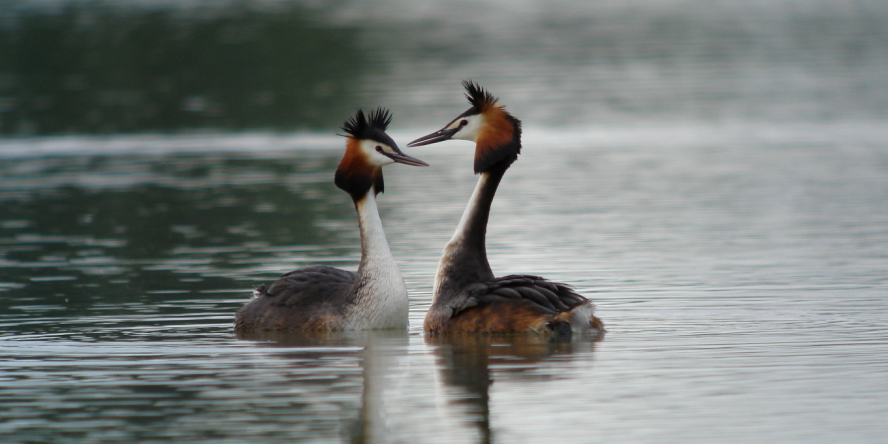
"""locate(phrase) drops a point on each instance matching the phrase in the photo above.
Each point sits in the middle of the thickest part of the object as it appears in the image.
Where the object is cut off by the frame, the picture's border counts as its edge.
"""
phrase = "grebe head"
(367, 150)
(496, 133)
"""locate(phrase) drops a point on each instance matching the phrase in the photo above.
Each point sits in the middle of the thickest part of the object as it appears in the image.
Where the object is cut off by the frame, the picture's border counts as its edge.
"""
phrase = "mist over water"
(714, 175)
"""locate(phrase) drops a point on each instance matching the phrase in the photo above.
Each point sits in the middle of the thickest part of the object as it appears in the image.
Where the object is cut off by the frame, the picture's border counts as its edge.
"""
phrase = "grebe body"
(321, 298)
(467, 297)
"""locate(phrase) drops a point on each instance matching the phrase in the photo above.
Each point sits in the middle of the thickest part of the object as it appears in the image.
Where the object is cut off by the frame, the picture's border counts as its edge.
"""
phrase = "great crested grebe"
(326, 298)
(467, 297)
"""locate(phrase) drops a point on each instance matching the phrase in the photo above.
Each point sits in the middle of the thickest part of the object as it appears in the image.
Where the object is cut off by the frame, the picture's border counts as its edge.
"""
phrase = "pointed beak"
(400, 157)
(437, 136)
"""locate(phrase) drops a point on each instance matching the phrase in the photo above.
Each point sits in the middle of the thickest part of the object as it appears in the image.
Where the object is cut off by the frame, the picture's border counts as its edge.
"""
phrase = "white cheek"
(379, 159)
(374, 157)
(469, 132)
(383, 160)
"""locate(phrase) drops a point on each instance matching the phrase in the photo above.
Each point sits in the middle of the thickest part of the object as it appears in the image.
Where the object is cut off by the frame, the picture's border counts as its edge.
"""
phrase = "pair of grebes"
(467, 296)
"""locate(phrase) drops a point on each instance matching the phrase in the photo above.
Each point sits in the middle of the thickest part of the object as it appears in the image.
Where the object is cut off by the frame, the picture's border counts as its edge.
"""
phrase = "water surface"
(741, 279)
(713, 175)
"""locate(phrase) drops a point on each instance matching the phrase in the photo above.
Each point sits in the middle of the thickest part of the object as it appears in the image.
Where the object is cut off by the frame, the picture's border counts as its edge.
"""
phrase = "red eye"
(378, 148)
(463, 122)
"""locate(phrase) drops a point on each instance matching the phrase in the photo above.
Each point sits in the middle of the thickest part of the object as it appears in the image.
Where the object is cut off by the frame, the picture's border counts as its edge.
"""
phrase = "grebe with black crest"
(467, 297)
(320, 298)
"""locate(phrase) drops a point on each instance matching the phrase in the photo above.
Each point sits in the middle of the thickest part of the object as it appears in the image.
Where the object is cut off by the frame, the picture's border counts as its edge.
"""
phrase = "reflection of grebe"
(326, 298)
(467, 296)
(473, 363)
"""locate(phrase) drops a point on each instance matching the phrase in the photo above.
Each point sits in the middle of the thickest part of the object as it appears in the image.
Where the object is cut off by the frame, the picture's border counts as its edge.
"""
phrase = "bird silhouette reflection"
(472, 363)
(459, 383)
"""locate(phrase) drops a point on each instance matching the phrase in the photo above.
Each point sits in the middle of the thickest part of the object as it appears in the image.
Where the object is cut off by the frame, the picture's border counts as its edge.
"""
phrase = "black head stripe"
(469, 112)
(381, 137)
(473, 111)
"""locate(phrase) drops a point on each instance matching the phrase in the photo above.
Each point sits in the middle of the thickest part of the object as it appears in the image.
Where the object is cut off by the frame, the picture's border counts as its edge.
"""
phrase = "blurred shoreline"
(112, 67)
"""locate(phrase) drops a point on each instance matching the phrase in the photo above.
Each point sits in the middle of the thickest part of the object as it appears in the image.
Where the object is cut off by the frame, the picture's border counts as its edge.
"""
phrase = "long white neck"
(381, 292)
(465, 257)
(374, 246)
(473, 224)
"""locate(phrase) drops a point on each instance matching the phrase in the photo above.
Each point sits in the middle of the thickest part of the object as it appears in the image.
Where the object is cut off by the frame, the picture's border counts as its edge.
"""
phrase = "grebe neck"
(380, 292)
(465, 257)
(374, 247)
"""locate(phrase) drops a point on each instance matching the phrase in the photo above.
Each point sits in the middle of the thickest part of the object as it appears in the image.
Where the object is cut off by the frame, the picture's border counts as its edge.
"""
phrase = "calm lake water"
(716, 179)
(741, 275)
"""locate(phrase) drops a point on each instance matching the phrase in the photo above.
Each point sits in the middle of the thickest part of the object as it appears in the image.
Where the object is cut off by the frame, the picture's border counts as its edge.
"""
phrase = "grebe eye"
(378, 148)
(463, 122)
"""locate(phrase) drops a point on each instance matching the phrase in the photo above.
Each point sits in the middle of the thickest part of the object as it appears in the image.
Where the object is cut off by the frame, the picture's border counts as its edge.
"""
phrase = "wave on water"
(665, 135)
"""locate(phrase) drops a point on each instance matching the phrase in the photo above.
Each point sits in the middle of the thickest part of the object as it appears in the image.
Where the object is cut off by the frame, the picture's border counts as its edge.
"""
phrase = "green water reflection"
(95, 69)
(129, 233)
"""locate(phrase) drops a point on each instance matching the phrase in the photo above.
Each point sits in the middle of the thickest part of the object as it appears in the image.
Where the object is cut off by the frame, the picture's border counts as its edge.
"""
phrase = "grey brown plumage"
(508, 303)
(311, 298)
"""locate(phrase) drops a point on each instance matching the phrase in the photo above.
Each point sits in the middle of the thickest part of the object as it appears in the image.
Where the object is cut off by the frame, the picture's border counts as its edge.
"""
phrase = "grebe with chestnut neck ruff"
(467, 297)
(319, 298)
